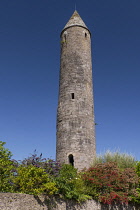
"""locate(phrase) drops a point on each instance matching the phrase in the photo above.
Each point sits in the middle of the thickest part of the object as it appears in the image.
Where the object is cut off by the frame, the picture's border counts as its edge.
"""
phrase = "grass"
(123, 160)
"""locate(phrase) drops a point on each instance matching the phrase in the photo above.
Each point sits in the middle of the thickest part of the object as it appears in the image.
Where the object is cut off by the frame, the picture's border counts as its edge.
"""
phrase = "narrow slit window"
(71, 159)
(85, 35)
(65, 37)
(72, 95)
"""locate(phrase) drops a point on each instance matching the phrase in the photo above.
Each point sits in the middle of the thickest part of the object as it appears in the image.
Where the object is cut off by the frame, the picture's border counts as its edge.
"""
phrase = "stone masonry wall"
(75, 116)
(13, 201)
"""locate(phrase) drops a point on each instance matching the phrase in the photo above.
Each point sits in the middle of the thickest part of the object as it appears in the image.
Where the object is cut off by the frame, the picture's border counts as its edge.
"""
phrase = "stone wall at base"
(14, 201)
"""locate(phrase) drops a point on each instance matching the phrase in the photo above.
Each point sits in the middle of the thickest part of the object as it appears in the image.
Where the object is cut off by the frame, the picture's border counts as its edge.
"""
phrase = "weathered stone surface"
(75, 116)
(13, 201)
(75, 20)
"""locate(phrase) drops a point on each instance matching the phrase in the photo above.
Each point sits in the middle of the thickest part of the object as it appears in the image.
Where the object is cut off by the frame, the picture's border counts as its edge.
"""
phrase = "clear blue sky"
(29, 72)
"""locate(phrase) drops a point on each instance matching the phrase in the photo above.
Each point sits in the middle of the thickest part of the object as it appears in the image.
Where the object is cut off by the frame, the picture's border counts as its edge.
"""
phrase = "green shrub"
(33, 180)
(114, 177)
(6, 167)
(137, 198)
(70, 185)
(108, 183)
(138, 168)
(50, 166)
(123, 160)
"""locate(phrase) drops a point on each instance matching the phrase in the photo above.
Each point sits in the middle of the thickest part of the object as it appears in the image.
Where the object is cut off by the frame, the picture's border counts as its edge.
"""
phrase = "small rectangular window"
(72, 95)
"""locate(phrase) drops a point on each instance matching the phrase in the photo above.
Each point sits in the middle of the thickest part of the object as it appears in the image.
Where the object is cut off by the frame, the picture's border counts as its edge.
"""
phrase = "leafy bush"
(137, 198)
(138, 168)
(114, 177)
(33, 180)
(123, 160)
(70, 185)
(107, 183)
(50, 166)
(6, 166)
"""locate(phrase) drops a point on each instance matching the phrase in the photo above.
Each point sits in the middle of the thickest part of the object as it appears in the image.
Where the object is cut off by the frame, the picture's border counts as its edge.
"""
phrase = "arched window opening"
(85, 35)
(71, 159)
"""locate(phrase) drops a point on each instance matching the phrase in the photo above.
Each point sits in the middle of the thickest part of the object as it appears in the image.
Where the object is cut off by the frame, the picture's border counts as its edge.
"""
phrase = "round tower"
(75, 114)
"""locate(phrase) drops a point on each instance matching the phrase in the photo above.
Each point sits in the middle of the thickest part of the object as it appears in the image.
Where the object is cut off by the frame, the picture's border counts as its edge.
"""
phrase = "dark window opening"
(72, 95)
(71, 160)
(85, 35)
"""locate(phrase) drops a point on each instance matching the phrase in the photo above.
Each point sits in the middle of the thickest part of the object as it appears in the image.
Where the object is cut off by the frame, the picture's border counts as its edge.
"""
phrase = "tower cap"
(75, 20)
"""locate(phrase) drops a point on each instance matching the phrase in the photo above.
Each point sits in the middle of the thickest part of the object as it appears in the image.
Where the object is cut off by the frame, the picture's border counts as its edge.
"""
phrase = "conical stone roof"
(75, 20)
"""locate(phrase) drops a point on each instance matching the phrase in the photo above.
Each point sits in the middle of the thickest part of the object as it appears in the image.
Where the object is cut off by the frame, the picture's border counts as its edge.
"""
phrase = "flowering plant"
(108, 183)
